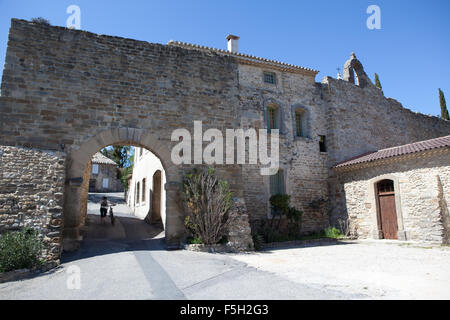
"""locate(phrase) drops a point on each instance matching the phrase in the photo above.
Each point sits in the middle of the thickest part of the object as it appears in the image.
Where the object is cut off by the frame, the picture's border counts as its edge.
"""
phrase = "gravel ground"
(377, 269)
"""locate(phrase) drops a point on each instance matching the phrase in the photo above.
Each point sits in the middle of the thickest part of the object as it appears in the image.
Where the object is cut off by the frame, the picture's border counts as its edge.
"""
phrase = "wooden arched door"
(156, 198)
(386, 209)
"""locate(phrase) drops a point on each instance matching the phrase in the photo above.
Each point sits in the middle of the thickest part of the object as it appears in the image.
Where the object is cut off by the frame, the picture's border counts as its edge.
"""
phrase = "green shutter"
(277, 183)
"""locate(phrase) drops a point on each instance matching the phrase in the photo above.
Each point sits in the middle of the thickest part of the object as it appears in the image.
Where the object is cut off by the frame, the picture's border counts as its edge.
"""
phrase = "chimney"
(233, 43)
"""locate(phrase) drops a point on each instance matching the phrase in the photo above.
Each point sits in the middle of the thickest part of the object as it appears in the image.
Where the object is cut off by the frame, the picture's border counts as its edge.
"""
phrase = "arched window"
(300, 116)
(273, 117)
(277, 183)
(300, 122)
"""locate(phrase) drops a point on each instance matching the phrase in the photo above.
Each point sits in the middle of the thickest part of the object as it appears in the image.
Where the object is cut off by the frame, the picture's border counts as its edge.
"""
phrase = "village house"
(104, 175)
(146, 195)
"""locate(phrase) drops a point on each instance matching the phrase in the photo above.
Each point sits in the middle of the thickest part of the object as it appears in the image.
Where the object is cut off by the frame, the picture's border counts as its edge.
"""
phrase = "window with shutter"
(298, 124)
(272, 118)
(277, 183)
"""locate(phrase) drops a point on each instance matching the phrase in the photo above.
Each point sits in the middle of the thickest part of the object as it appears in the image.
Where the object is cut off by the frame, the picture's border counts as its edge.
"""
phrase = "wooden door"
(156, 197)
(387, 212)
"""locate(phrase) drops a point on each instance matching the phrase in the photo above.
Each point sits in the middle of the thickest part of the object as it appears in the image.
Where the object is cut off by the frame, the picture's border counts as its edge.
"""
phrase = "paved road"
(129, 261)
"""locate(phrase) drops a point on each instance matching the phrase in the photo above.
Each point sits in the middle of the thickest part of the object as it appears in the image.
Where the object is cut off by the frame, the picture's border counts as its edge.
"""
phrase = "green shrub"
(280, 208)
(20, 249)
(194, 240)
(332, 232)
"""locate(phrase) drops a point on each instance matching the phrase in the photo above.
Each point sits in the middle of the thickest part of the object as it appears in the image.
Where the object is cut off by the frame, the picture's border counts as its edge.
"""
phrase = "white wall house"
(146, 195)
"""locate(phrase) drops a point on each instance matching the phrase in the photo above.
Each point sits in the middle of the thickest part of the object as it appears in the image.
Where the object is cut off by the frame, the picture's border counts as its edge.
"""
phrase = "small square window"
(269, 77)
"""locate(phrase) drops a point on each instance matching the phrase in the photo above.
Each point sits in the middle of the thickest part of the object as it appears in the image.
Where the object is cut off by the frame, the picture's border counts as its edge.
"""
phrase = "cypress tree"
(444, 111)
(377, 81)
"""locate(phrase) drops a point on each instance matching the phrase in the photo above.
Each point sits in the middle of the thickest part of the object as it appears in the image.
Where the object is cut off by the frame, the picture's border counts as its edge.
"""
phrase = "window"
(277, 183)
(322, 144)
(95, 169)
(272, 118)
(143, 190)
(385, 186)
(269, 77)
(105, 183)
(137, 192)
(299, 119)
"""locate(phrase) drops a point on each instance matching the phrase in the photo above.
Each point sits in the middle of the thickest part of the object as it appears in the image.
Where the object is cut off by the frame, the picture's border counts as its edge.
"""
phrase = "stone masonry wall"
(31, 194)
(304, 166)
(423, 200)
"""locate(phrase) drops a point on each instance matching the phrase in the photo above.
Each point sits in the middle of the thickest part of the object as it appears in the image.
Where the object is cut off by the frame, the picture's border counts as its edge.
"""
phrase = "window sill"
(307, 139)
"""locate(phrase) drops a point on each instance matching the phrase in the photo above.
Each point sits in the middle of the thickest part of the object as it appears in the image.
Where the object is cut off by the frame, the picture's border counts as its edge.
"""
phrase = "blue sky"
(410, 52)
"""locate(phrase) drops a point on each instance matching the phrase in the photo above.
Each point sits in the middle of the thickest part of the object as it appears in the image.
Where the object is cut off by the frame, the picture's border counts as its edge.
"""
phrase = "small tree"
(377, 82)
(280, 207)
(208, 201)
(444, 111)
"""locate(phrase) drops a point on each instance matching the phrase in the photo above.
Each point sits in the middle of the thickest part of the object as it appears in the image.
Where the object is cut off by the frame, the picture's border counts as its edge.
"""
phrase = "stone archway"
(78, 158)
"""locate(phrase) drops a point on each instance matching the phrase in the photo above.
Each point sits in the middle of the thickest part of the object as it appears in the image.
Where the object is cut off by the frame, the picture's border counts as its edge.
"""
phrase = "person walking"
(104, 208)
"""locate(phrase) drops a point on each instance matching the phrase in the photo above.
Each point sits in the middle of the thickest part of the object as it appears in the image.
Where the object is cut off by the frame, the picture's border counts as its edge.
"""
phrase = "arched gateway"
(78, 159)
(66, 94)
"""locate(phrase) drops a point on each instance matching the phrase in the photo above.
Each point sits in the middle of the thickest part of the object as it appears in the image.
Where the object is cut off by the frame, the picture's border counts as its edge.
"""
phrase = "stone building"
(146, 195)
(398, 193)
(73, 92)
(104, 175)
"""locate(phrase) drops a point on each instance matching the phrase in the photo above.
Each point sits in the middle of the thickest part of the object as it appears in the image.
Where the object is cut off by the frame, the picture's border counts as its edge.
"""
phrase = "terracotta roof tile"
(441, 142)
(243, 56)
(100, 158)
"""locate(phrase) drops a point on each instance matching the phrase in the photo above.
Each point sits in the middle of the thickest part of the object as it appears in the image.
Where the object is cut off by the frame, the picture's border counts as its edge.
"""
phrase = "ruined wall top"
(353, 67)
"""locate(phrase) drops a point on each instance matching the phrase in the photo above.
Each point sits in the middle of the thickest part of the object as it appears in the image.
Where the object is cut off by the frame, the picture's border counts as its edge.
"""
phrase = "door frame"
(379, 211)
(375, 211)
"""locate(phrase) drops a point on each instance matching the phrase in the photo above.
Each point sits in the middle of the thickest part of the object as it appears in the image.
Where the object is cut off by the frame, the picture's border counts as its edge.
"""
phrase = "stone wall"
(31, 194)
(304, 166)
(106, 171)
(422, 188)
(360, 120)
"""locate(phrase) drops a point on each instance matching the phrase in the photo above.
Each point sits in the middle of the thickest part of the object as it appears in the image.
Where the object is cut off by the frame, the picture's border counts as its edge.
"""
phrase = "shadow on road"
(129, 233)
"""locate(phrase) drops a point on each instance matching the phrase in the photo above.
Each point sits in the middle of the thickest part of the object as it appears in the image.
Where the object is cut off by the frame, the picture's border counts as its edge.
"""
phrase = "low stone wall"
(31, 195)
(301, 243)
